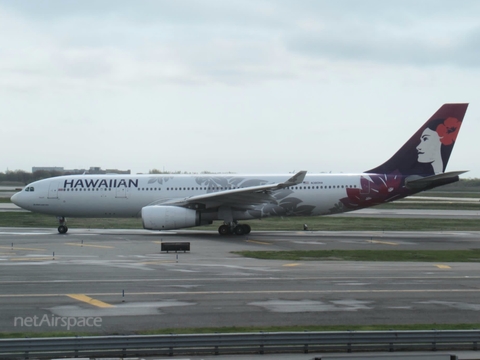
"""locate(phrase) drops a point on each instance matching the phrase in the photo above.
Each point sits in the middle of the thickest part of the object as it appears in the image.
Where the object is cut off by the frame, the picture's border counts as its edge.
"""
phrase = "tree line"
(25, 177)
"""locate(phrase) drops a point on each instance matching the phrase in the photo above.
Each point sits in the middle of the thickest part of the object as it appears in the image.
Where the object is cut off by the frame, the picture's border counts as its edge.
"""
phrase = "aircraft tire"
(224, 230)
(246, 229)
(239, 230)
(62, 229)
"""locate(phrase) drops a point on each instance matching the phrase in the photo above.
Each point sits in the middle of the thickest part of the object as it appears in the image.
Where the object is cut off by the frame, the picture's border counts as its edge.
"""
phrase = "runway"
(122, 278)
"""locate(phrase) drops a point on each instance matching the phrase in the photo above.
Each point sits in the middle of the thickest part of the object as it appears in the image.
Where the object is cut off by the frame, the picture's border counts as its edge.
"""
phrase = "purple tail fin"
(428, 150)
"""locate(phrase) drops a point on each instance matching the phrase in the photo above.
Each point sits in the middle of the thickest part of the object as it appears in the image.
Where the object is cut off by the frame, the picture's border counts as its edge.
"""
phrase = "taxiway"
(122, 277)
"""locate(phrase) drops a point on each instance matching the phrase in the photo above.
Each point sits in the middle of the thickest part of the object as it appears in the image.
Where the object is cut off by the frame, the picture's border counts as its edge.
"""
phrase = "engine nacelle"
(169, 217)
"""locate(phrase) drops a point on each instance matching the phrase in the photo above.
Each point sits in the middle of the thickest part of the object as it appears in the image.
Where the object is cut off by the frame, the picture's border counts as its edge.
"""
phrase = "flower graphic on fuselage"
(374, 189)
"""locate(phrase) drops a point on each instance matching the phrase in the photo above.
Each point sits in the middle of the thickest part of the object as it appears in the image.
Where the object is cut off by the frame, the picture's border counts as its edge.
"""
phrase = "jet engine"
(169, 217)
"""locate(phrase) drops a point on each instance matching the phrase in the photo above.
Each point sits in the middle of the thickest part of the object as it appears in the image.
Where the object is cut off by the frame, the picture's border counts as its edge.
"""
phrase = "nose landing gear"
(62, 228)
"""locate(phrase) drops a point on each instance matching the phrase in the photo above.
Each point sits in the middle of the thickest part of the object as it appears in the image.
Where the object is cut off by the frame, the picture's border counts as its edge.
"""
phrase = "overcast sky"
(244, 86)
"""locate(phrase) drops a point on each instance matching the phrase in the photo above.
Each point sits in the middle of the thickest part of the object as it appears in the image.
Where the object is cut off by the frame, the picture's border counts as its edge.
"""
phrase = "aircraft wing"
(243, 198)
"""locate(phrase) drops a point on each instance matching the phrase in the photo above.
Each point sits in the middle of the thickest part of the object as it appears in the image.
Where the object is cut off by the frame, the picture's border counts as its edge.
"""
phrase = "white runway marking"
(285, 306)
(454, 305)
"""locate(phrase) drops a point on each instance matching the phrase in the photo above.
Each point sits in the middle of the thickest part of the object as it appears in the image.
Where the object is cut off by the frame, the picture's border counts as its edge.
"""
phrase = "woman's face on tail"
(429, 148)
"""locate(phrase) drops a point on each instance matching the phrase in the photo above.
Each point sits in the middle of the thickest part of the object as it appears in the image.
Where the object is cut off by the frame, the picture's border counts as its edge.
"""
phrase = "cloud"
(390, 34)
(196, 74)
(116, 44)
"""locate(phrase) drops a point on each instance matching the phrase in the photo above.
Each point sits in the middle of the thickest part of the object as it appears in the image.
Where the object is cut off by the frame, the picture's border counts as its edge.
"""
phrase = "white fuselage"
(126, 195)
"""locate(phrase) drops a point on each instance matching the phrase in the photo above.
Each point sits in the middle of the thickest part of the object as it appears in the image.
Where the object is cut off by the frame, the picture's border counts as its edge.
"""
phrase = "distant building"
(92, 170)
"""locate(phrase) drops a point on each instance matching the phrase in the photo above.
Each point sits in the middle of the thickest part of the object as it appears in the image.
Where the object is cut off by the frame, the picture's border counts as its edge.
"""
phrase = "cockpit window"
(30, 188)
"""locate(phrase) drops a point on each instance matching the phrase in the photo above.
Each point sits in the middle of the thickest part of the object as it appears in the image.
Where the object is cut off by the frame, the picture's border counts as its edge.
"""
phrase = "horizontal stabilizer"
(424, 183)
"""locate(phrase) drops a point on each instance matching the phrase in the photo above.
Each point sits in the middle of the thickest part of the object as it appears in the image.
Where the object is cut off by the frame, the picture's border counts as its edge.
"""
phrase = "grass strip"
(28, 219)
(423, 205)
(240, 329)
(298, 328)
(44, 334)
(315, 223)
(367, 255)
(454, 194)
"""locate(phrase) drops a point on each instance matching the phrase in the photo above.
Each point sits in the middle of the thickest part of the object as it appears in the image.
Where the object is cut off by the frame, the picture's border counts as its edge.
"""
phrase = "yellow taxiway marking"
(440, 266)
(97, 246)
(382, 242)
(18, 248)
(32, 258)
(258, 242)
(290, 265)
(90, 300)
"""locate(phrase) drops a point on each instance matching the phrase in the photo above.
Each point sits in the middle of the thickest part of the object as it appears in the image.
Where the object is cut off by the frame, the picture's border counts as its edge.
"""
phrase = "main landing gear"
(62, 228)
(237, 229)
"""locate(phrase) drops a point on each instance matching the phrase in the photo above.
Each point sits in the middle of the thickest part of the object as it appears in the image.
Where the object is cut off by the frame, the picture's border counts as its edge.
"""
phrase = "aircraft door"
(364, 186)
(53, 190)
(121, 192)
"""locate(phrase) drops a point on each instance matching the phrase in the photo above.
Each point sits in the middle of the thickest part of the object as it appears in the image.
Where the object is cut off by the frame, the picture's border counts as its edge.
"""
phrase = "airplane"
(168, 202)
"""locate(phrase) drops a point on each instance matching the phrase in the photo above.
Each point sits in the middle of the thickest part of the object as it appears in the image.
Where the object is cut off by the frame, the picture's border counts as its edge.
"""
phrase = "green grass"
(28, 219)
(454, 194)
(367, 255)
(235, 329)
(433, 205)
(239, 329)
(320, 223)
(17, 335)
(329, 223)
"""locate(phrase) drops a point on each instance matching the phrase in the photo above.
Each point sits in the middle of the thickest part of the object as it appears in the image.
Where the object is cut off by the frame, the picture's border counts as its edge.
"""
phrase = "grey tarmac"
(121, 277)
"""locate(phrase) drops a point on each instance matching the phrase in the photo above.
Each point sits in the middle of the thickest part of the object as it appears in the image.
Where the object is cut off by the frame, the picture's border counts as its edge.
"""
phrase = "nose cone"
(18, 199)
(14, 199)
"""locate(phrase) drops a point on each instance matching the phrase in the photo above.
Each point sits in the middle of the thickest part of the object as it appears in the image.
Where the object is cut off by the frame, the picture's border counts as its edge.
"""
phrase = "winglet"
(294, 180)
